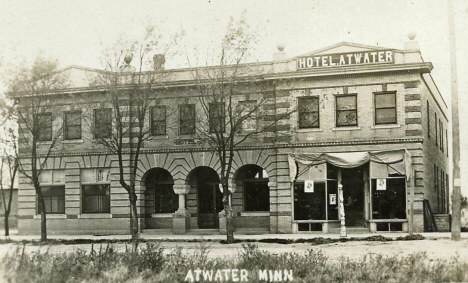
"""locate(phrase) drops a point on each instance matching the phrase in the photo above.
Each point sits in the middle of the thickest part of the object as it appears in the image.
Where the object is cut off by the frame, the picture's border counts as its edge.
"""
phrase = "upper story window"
(441, 135)
(102, 123)
(436, 130)
(53, 191)
(385, 108)
(158, 120)
(428, 119)
(44, 121)
(346, 110)
(247, 111)
(308, 108)
(187, 119)
(72, 125)
(217, 117)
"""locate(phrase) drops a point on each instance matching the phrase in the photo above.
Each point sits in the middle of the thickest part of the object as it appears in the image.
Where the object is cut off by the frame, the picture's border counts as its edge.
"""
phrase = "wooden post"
(456, 193)
(411, 216)
(342, 212)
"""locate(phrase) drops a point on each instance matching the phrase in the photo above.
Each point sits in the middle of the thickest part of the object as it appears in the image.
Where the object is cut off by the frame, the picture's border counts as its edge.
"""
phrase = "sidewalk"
(190, 237)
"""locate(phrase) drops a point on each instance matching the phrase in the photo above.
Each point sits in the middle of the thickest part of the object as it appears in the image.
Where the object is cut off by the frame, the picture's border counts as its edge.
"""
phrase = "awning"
(349, 160)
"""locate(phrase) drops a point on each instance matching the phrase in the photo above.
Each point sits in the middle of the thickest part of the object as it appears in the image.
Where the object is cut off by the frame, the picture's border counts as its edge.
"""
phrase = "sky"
(76, 31)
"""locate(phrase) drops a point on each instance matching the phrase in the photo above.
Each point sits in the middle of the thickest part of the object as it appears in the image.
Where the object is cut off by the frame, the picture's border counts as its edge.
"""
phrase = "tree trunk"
(43, 217)
(7, 226)
(133, 216)
(229, 224)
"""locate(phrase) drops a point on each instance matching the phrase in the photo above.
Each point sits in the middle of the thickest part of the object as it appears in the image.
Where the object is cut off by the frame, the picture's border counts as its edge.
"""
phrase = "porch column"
(222, 213)
(181, 218)
(342, 211)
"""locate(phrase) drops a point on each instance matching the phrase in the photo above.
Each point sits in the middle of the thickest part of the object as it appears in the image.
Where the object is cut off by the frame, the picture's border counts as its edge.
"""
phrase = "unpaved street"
(435, 249)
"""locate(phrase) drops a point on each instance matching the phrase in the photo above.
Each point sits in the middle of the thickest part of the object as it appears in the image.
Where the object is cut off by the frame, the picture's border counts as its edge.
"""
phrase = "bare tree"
(38, 130)
(8, 170)
(131, 94)
(230, 116)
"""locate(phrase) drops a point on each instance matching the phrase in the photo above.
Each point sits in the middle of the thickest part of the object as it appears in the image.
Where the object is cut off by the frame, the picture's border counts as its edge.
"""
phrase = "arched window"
(255, 188)
(161, 183)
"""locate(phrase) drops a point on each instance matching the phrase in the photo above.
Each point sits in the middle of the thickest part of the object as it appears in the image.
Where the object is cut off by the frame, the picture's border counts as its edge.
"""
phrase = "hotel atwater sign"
(346, 59)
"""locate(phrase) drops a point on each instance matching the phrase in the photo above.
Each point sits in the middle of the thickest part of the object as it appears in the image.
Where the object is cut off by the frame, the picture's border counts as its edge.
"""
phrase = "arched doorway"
(254, 182)
(209, 197)
(160, 199)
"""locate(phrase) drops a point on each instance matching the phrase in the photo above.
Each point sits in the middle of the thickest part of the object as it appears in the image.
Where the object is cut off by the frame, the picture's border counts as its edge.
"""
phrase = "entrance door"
(210, 203)
(353, 195)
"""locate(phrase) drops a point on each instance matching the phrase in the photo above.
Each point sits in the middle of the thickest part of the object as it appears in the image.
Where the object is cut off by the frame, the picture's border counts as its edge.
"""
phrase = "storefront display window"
(388, 198)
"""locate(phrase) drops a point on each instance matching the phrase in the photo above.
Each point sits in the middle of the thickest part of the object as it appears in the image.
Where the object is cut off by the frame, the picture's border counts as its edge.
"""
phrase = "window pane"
(385, 100)
(385, 116)
(346, 118)
(332, 189)
(165, 200)
(309, 120)
(217, 119)
(245, 109)
(187, 119)
(308, 104)
(345, 102)
(391, 202)
(96, 199)
(73, 132)
(73, 125)
(54, 199)
(44, 122)
(256, 196)
(158, 120)
(309, 206)
(103, 123)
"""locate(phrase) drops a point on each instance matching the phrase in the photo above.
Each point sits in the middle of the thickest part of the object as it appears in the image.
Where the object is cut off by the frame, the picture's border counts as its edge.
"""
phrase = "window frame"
(61, 198)
(212, 116)
(261, 180)
(382, 108)
(153, 121)
(100, 134)
(184, 119)
(43, 126)
(299, 112)
(66, 125)
(337, 110)
(83, 198)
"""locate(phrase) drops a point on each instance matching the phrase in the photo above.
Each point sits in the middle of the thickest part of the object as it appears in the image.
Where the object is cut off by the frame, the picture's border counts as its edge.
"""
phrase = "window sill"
(73, 141)
(95, 216)
(162, 215)
(351, 128)
(159, 137)
(255, 213)
(390, 126)
(309, 130)
(51, 216)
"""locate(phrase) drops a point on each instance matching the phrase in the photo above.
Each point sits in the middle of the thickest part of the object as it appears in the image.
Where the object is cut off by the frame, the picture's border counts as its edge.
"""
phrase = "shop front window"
(388, 198)
(310, 206)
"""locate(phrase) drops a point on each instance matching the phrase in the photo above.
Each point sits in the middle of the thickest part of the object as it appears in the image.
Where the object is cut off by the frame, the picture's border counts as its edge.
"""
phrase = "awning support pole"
(342, 212)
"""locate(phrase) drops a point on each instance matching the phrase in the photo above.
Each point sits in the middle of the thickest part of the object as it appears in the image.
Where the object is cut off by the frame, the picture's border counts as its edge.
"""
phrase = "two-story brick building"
(367, 118)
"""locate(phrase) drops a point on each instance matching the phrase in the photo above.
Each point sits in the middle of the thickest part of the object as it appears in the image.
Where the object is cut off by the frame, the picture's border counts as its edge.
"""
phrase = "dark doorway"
(209, 197)
(210, 203)
(353, 195)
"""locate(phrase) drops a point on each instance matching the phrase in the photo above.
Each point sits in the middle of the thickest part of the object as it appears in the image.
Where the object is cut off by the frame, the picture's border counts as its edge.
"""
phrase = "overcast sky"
(74, 31)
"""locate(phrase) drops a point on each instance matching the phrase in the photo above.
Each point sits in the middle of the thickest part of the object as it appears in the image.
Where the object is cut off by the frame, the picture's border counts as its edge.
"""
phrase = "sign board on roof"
(346, 59)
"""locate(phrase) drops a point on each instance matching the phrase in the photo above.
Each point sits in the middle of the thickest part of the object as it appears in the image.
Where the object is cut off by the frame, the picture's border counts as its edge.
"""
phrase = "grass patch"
(146, 262)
